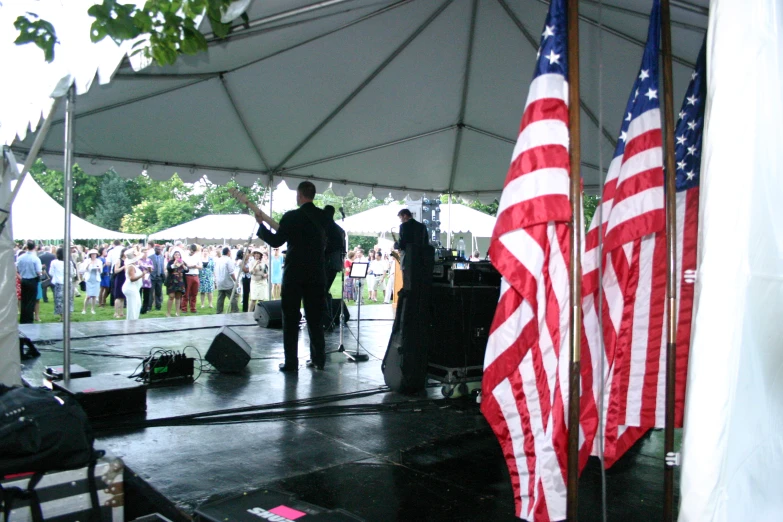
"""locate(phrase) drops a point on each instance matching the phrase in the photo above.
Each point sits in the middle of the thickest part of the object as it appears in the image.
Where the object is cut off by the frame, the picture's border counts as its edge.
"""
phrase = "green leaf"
(221, 29)
(97, 31)
(37, 31)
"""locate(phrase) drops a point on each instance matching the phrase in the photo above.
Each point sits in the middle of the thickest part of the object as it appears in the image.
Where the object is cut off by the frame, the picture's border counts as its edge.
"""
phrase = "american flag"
(525, 384)
(634, 265)
(687, 152)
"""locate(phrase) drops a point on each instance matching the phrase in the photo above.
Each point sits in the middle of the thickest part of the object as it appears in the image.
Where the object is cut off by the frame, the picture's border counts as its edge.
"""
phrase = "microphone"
(342, 212)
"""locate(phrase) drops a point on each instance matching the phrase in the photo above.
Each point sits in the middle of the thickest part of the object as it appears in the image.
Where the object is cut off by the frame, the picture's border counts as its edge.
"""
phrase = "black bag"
(404, 366)
(42, 432)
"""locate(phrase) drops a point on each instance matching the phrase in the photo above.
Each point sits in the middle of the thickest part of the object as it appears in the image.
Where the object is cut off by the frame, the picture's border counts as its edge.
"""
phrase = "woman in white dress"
(132, 285)
(259, 288)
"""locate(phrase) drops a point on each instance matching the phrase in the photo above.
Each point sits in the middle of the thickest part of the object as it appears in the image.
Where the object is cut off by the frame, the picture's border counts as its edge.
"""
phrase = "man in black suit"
(304, 229)
(335, 254)
(46, 258)
(411, 231)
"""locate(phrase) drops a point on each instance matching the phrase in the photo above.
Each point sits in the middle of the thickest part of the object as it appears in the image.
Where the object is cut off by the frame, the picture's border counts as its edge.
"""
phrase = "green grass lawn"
(107, 313)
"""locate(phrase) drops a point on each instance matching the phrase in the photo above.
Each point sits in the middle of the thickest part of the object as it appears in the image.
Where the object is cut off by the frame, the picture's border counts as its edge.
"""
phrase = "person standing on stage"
(335, 254)
(304, 229)
(29, 267)
(411, 231)
(335, 247)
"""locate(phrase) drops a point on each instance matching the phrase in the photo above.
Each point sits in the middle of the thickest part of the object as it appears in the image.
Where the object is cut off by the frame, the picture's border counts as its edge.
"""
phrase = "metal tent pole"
(671, 258)
(448, 232)
(269, 254)
(575, 270)
(68, 196)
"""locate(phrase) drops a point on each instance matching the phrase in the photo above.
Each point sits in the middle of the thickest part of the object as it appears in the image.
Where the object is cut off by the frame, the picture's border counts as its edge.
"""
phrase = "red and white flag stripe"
(525, 384)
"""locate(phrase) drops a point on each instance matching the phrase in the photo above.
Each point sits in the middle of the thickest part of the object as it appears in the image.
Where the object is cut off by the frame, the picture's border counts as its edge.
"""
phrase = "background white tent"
(465, 221)
(35, 215)
(213, 227)
(370, 95)
(384, 218)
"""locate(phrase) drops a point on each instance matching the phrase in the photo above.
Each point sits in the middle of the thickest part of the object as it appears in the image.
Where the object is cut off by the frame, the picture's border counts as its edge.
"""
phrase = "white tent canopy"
(370, 95)
(212, 227)
(380, 220)
(35, 215)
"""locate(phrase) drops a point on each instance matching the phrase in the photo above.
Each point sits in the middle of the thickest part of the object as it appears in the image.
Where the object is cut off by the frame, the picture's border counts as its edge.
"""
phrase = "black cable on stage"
(278, 405)
(363, 320)
(362, 346)
(93, 353)
(411, 406)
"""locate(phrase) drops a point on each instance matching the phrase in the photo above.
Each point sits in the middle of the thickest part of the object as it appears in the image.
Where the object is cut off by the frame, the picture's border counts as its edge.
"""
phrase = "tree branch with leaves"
(171, 26)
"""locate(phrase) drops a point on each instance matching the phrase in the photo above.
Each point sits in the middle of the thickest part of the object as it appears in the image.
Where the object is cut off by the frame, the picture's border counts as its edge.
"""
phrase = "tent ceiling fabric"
(418, 96)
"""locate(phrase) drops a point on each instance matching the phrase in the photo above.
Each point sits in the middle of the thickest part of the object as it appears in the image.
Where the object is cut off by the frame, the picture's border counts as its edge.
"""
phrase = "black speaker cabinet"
(269, 314)
(332, 312)
(461, 318)
(228, 353)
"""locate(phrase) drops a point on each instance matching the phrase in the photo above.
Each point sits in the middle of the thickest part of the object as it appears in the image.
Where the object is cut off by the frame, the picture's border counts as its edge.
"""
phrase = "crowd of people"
(380, 275)
(137, 278)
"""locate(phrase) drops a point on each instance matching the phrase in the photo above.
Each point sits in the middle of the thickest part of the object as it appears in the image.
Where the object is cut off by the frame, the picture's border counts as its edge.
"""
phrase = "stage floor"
(378, 455)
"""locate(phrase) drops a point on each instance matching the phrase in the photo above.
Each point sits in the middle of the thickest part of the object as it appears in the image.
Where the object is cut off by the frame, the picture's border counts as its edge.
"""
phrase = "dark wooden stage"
(373, 453)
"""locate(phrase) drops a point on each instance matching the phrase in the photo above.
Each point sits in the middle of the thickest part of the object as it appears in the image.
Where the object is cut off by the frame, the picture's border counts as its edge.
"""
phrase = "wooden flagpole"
(575, 271)
(671, 257)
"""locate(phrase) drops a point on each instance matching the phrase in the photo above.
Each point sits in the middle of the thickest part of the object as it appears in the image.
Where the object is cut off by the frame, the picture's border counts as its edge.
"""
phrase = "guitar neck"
(268, 220)
(252, 206)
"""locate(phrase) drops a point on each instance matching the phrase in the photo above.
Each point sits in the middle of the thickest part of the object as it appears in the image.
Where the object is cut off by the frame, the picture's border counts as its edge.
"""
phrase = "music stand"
(359, 273)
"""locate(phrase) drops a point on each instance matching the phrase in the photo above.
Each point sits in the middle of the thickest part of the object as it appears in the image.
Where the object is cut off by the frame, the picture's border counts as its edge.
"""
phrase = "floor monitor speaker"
(228, 353)
(269, 314)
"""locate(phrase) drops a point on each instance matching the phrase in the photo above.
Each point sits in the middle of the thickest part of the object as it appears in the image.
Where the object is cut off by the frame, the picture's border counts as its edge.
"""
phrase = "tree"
(86, 188)
(216, 199)
(142, 219)
(174, 212)
(486, 208)
(114, 202)
(364, 242)
(169, 24)
(143, 188)
(590, 204)
(350, 203)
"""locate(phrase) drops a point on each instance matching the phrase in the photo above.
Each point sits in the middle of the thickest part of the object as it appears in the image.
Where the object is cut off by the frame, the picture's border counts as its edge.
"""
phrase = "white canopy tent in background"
(212, 228)
(35, 215)
(459, 219)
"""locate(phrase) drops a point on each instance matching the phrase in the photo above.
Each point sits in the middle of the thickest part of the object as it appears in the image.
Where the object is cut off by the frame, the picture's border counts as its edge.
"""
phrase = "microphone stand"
(353, 357)
(342, 288)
